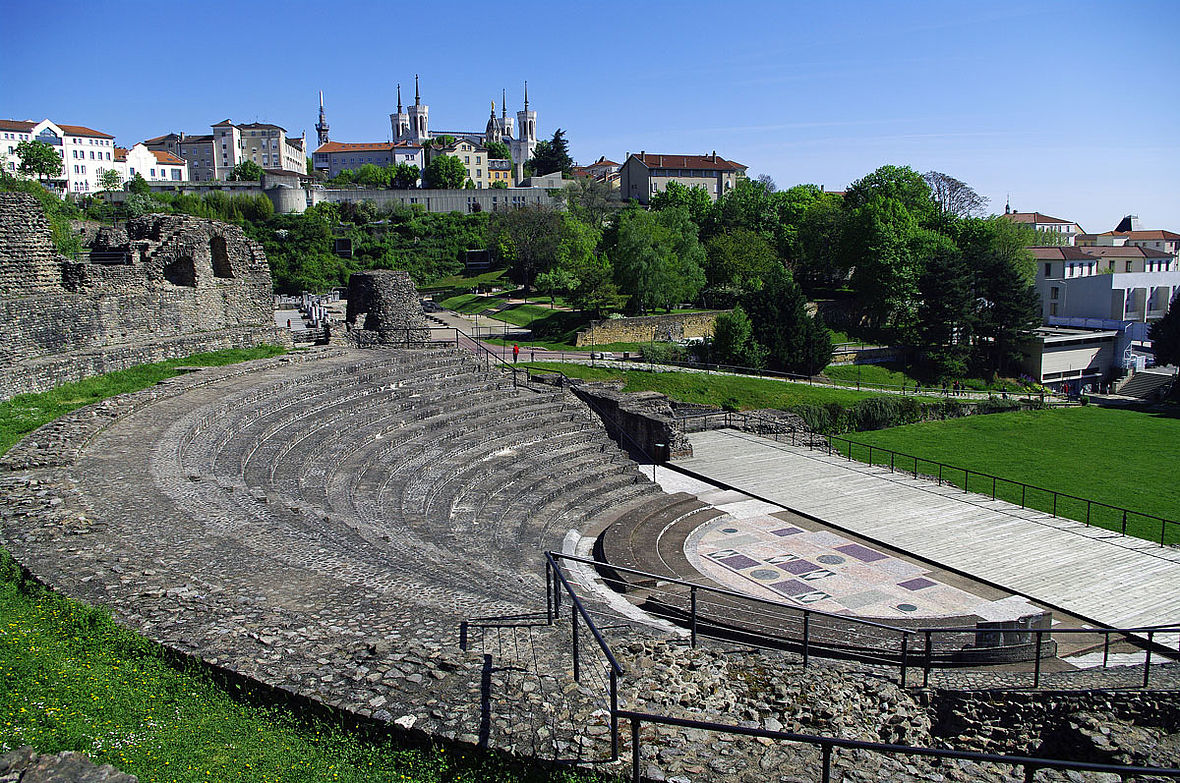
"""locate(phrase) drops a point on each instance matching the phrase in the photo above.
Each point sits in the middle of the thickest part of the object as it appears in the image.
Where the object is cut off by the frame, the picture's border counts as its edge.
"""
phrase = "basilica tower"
(400, 121)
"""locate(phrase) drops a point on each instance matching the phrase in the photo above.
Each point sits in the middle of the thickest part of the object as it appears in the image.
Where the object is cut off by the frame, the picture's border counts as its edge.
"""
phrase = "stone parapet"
(658, 328)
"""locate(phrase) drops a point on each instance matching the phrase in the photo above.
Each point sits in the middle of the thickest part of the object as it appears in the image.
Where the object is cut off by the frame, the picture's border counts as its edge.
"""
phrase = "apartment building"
(644, 175)
(86, 153)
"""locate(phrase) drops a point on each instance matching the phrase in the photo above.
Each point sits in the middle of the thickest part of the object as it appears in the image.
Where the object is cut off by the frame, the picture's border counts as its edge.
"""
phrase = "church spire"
(417, 95)
(321, 127)
(526, 96)
(503, 103)
(399, 99)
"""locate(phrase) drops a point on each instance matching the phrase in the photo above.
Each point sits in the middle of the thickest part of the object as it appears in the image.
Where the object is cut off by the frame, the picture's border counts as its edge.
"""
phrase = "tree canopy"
(246, 171)
(527, 239)
(551, 155)
(1165, 336)
(444, 172)
(38, 159)
(658, 259)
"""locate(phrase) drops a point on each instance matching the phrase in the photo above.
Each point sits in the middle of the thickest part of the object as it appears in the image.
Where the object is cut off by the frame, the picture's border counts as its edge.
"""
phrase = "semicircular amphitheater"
(330, 523)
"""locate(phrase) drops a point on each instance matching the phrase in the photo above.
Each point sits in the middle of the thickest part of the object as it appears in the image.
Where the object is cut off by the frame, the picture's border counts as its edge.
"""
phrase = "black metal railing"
(557, 584)
(1059, 504)
(719, 613)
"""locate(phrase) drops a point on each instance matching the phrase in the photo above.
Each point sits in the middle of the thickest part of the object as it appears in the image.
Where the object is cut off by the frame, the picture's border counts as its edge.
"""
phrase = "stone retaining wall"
(165, 286)
(660, 328)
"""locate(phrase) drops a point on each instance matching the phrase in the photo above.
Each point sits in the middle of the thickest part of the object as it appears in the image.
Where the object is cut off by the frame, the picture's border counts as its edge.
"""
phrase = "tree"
(767, 182)
(246, 171)
(953, 198)
(110, 180)
(527, 239)
(946, 314)
(591, 201)
(595, 292)
(695, 199)
(793, 341)
(901, 183)
(404, 176)
(1009, 311)
(819, 258)
(498, 185)
(551, 156)
(38, 159)
(497, 150)
(736, 262)
(372, 176)
(657, 258)
(1165, 336)
(444, 172)
(733, 340)
(138, 185)
(310, 167)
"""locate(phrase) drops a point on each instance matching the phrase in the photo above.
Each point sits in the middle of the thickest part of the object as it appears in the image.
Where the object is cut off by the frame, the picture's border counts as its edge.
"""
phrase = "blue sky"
(1069, 107)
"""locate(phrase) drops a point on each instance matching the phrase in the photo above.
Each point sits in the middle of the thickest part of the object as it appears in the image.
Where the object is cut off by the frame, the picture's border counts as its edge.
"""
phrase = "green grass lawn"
(738, 392)
(24, 413)
(869, 374)
(71, 679)
(1118, 457)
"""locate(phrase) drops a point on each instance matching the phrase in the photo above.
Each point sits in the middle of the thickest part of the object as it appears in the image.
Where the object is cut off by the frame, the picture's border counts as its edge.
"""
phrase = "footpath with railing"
(1089, 511)
(595, 659)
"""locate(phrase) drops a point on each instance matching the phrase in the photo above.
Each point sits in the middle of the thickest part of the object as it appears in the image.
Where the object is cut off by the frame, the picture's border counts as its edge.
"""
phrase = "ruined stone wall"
(384, 308)
(661, 328)
(164, 286)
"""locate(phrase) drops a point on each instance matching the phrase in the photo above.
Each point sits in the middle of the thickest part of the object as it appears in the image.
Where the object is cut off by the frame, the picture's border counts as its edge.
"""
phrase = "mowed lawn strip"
(738, 392)
(1117, 457)
(72, 679)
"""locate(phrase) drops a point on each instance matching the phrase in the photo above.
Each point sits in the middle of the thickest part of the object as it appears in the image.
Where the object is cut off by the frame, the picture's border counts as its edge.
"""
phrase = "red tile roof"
(24, 126)
(120, 154)
(1033, 217)
(168, 157)
(1062, 253)
(1126, 251)
(713, 162)
(1154, 234)
(384, 146)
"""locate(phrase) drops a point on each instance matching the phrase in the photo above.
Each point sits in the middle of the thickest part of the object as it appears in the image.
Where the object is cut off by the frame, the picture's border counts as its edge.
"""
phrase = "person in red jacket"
(515, 352)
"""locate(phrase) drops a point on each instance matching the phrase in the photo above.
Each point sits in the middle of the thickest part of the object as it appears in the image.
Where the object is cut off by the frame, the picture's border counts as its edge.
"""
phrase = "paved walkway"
(1092, 573)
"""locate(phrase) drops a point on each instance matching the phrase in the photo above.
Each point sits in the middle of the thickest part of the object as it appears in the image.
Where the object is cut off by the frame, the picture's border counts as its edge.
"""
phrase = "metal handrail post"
(548, 593)
(574, 633)
(905, 656)
(1037, 661)
(806, 636)
(929, 661)
(826, 751)
(614, 715)
(1147, 659)
(693, 600)
(635, 776)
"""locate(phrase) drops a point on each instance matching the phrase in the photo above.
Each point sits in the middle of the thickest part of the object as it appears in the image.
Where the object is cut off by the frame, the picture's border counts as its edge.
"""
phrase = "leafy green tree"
(497, 150)
(591, 201)
(900, 183)
(946, 314)
(372, 176)
(499, 185)
(998, 236)
(819, 258)
(404, 176)
(793, 341)
(737, 261)
(527, 239)
(110, 180)
(556, 280)
(1165, 336)
(733, 340)
(444, 172)
(953, 198)
(551, 156)
(310, 167)
(695, 199)
(38, 159)
(138, 185)
(658, 259)
(1008, 312)
(246, 171)
(749, 204)
(596, 291)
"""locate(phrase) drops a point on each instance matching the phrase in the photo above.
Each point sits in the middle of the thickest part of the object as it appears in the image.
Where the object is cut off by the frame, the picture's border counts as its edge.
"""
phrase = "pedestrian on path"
(515, 352)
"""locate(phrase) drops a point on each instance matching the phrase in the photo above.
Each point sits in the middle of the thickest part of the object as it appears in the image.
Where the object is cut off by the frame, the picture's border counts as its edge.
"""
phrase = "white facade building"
(152, 165)
(86, 153)
(1066, 229)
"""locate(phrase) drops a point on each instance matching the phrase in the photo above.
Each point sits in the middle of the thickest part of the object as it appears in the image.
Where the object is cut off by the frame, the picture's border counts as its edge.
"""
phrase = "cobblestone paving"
(324, 523)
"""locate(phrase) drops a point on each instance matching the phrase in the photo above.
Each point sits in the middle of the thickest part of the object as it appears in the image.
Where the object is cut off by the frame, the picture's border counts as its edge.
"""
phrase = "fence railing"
(727, 614)
(558, 584)
(1060, 504)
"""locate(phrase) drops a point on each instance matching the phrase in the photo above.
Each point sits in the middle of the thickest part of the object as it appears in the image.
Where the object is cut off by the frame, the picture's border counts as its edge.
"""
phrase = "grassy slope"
(738, 392)
(71, 679)
(1123, 458)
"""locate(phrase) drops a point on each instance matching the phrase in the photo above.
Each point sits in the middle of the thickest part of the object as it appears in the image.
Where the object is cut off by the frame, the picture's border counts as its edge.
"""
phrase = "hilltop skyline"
(1063, 108)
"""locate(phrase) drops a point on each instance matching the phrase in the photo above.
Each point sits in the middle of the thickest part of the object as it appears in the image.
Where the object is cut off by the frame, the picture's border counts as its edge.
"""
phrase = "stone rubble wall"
(384, 309)
(163, 287)
(27, 766)
(660, 328)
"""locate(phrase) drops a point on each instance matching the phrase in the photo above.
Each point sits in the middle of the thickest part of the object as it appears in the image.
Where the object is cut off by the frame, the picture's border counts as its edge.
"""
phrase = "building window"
(1129, 266)
(1048, 270)
(1052, 308)
(1053, 292)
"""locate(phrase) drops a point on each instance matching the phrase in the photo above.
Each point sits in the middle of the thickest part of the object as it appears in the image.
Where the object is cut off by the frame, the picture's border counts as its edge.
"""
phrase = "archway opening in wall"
(181, 271)
(219, 250)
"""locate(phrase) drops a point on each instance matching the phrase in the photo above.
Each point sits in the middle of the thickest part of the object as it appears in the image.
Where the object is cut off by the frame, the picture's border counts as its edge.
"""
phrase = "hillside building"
(213, 156)
(644, 175)
(86, 153)
(1066, 229)
(152, 165)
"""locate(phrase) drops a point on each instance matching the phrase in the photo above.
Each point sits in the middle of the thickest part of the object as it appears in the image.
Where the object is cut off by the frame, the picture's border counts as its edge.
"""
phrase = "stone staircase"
(1146, 384)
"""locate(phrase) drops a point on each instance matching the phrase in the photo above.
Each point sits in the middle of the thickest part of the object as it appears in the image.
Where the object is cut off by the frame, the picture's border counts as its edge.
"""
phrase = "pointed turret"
(399, 99)
(417, 95)
(321, 127)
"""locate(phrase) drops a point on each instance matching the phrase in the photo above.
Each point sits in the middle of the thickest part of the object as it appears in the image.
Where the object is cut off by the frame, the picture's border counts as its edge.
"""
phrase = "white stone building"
(1066, 229)
(86, 153)
(152, 165)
